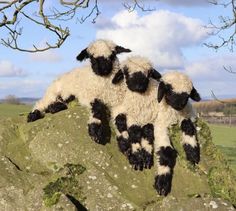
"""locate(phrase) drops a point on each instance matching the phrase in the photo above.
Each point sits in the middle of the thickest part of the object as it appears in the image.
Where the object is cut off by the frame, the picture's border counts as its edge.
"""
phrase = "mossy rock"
(43, 168)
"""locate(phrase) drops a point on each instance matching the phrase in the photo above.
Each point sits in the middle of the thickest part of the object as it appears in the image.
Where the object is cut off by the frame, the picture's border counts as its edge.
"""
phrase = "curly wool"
(136, 64)
(85, 86)
(174, 78)
(101, 48)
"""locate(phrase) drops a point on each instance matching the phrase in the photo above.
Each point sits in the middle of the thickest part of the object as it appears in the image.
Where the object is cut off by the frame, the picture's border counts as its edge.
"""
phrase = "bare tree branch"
(229, 69)
(225, 30)
(15, 12)
(95, 10)
(136, 4)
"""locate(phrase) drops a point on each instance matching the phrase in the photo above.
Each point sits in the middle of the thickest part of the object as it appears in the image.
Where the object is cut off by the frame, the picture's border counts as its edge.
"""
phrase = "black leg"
(34, 115)
(99, 128)
(136, 156)
(190, 142)
(56, 107)
(122, 137)
(69, 99)
(147, 145)
(166, 162)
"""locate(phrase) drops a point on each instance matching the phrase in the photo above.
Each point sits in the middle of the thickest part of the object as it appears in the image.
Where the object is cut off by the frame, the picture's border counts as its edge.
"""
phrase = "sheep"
(138, 72)
(92, 86)
(144, 118)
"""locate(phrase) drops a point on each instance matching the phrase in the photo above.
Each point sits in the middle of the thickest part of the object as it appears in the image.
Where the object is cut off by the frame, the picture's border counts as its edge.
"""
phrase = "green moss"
(74, 169)
(222, 184)
(66, 185)
(221, 178)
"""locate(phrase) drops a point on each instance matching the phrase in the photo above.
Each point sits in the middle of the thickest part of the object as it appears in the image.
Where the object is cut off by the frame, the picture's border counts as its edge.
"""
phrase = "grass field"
(8, 110)
(225, 139)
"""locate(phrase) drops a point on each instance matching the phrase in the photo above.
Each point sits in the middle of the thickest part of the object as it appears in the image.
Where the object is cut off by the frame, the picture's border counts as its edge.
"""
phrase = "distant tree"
(12, 99)
(53, 19)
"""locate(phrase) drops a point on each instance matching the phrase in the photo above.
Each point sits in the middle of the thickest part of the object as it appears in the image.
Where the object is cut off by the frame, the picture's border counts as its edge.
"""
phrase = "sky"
(171, 36)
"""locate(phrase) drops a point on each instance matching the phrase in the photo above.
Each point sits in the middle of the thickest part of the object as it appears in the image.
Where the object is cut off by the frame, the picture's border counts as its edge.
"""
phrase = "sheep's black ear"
(83, 55)
(154, 74)
(195, 95)
(161, 91)
(120, 49)
(119, 76)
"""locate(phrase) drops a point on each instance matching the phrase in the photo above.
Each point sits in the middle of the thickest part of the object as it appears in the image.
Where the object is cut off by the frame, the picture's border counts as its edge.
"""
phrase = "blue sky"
(172, 36)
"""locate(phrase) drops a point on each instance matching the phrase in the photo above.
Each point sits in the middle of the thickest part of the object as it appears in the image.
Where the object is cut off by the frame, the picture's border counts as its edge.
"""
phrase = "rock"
(52, 164)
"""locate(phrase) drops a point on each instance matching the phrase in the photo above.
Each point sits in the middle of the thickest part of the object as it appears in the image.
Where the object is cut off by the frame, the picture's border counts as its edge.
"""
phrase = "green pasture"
(9, 110)
(225, 139)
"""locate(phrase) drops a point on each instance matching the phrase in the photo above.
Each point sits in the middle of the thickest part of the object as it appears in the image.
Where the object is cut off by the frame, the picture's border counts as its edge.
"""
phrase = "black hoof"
(163, 184)
(123, 144)
(56, 107)
(33, 116)
(136, 160)
(147, 159)
(192, 153)
(96, 132)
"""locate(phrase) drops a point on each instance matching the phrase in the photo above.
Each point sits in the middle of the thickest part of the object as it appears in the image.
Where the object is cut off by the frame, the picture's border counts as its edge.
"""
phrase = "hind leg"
(58, 105)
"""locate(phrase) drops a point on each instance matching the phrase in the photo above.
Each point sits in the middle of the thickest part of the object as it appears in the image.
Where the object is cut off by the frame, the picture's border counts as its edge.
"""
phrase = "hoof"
(96, 132)
(192, 153)
(163, 184)
(123, 144)
(99, 133)
(147, 159)
(33, 116)
(136, 160)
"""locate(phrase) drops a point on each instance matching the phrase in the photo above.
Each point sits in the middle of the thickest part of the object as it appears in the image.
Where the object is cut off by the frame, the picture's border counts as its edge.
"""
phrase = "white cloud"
(45, 56)
(160, 35)
(7, 69)
(209, 75)
(212, 68)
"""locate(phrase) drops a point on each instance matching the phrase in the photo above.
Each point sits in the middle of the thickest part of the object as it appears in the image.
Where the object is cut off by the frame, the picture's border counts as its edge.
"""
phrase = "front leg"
(136, 155)
(122, 135)
(147, 145)
(166, 158)
(98, 127)
(190, 142)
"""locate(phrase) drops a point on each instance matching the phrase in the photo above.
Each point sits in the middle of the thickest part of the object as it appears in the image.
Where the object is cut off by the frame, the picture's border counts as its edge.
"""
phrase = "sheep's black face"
(176, 100)
(137, 82)
(102, 66)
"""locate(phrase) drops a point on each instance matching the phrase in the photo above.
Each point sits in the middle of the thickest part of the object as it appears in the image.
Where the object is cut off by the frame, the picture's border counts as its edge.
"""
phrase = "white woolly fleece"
(85, 85)
(179, 81)
(136, 64)
(101, 48)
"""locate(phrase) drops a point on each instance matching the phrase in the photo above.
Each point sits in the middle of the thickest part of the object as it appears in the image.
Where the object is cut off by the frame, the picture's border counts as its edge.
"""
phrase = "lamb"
(92, 86)
(144, 118)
